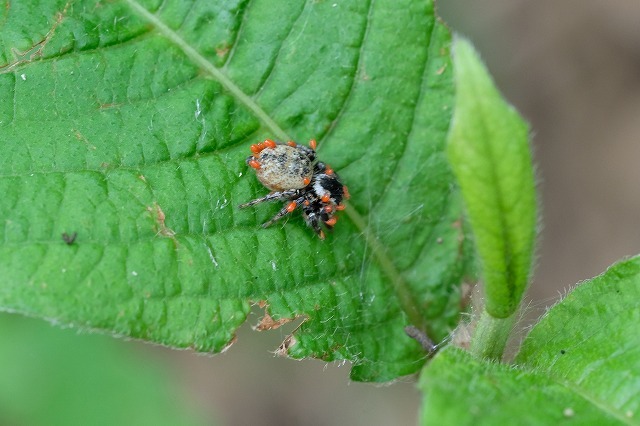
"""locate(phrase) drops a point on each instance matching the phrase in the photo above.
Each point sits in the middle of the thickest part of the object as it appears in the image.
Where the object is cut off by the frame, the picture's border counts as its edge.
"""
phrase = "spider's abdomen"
(283, 167)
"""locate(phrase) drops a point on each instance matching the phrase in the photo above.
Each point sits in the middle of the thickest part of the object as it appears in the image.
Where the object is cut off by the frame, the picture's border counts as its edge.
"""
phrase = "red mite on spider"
(292, 174)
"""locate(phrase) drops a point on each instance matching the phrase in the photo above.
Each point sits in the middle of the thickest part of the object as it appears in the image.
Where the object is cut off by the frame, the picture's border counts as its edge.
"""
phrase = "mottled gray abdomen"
(284, 167)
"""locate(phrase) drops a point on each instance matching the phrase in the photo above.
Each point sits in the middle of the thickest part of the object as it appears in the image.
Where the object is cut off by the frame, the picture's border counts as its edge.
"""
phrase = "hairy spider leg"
(290, 207)
(315, 219)
(314, 224)
(274, 196)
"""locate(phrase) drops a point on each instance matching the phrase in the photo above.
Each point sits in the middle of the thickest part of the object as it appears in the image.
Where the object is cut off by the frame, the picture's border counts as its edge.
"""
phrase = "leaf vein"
(272, 64)
(356, 75)
(238, 32)
(414, 112)
(212, 70)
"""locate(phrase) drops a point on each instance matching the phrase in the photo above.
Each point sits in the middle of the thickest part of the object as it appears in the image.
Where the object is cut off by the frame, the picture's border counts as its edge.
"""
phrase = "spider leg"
(284, 211)
(314, 223)
(274, 196)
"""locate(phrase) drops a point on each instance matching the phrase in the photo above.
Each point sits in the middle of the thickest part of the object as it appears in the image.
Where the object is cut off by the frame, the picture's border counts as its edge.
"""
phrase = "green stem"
(491, 335)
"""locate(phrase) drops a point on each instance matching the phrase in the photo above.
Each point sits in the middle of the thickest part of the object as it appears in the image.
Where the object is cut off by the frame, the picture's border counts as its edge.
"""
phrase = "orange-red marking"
(255, 148)
(325, 198)
(291, 207)
(306, 181)
(306, 202)
(328, 209)
(313, 144)
(340, 207)
(254, 164)
(292, 143)
(269, 143)
(331, 221)
(329, 170)
(345, 191)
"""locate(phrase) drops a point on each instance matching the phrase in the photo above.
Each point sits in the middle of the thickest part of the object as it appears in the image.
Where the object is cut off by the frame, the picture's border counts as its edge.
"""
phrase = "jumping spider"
(291, 172)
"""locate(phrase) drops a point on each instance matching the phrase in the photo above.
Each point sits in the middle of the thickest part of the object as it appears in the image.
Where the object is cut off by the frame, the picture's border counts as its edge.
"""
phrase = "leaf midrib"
(401, 289)
(207, 66)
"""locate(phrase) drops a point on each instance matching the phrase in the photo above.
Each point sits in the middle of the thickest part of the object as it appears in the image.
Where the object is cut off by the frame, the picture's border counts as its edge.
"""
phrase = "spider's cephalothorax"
(290, 171)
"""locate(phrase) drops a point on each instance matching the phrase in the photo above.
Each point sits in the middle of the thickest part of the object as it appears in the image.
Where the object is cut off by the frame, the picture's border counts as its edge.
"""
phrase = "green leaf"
(51, 377)
(489, 153)
(462, 390)
(590, 341)
(129, 123)
(579, 364)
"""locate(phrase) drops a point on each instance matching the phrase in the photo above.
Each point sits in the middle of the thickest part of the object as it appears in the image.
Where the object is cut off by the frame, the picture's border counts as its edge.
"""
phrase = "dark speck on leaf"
(69, 239)
(562, 351)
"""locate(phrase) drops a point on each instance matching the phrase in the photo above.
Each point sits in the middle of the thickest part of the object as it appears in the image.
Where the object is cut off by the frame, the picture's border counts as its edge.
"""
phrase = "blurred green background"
(572, 68)
(54, 376)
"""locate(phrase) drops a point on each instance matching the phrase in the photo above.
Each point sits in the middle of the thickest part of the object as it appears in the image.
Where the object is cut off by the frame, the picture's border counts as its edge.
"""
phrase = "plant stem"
(491, 335)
